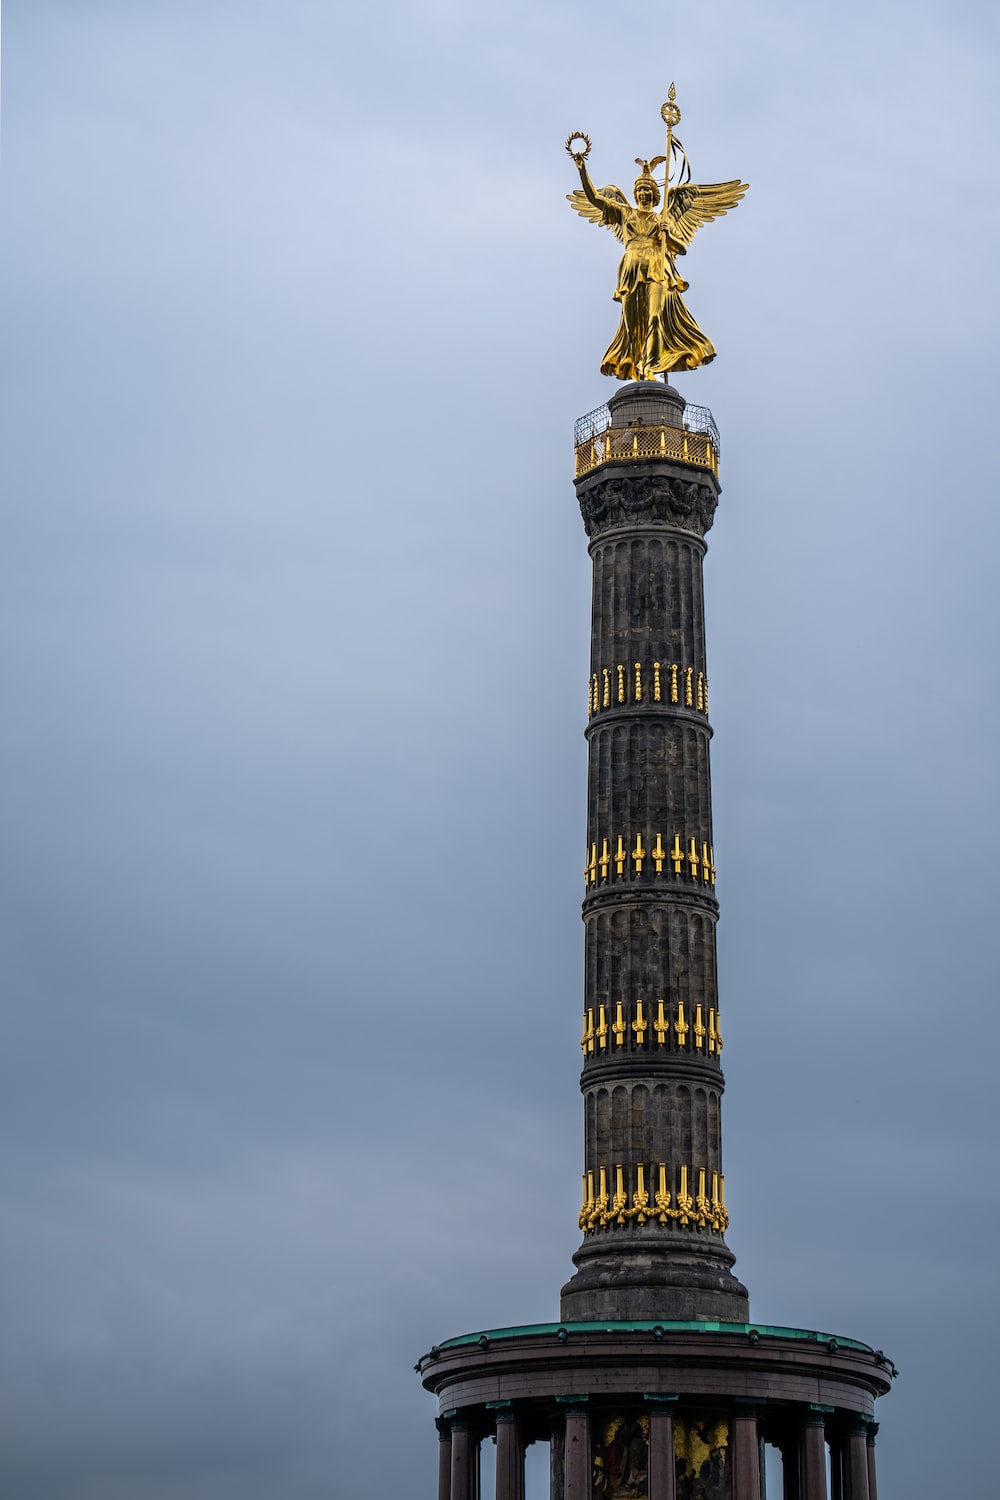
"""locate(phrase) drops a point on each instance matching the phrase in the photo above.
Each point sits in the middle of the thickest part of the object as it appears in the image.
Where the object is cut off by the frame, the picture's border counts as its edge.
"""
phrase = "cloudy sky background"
(295, 611)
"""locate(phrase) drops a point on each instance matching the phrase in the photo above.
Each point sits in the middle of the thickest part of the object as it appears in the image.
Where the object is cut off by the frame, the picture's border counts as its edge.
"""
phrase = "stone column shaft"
(814, 1461)
(662, 1472)
(836, 1468)
(464, 1463)
(444, 1460)
(746, 1457)
(510, 1459)
(577, 1457)
(791, 1470)
(872, 1488)
(557, 1455)
(652, 1075)
(856, 1465)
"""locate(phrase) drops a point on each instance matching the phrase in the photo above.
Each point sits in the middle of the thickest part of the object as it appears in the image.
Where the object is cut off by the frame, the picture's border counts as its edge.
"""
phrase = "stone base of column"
(683, 1278)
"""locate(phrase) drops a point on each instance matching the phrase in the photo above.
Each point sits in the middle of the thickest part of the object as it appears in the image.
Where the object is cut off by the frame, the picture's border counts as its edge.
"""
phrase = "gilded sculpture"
(656, 333)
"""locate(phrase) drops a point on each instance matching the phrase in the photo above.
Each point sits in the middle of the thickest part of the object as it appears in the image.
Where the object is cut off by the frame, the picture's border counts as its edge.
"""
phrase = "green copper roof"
(495, 1335)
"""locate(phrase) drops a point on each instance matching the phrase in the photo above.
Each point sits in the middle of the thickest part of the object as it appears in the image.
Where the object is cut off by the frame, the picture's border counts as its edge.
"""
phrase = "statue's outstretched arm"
(588, 186)
(604, 207)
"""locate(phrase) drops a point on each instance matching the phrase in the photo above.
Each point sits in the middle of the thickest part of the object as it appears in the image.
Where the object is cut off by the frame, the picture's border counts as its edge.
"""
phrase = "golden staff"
(671, 116)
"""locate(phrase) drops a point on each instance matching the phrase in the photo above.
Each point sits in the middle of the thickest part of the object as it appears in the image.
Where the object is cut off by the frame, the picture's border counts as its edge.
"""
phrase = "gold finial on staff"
(671, 116)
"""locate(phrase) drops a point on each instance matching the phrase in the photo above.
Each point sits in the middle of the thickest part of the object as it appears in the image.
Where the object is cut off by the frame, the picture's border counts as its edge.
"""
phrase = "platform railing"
(635, 443)
(598, 442)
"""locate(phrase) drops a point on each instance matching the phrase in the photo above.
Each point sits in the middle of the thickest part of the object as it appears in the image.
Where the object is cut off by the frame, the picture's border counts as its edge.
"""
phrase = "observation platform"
(624, 436)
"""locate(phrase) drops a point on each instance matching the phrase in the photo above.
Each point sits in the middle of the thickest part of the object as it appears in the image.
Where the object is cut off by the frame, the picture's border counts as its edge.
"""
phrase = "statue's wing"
(697, 203)
(612, 196)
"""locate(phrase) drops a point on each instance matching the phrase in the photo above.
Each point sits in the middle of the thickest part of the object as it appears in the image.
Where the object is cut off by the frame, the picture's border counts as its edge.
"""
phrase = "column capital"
(575, 1406)
(872, 1430)
(443, 1426)
(746, 1406)
(654, 1399)
(816, 1414)
(503, 1411)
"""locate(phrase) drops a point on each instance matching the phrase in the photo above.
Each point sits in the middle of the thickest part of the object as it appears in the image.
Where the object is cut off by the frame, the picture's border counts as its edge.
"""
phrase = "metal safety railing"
(597, 442)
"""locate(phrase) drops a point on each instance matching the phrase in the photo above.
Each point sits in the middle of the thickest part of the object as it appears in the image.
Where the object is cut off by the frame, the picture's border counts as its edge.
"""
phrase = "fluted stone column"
(577, 1454)
(856, 1461)
(652, 1076)
(464, 1461)
(510, 1457)
(814, 1455)
(662, 1470)
(746, 1454)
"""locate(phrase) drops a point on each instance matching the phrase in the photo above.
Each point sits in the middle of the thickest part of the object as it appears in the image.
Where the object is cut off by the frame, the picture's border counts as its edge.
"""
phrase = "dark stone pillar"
(464, 1461)
(557, 1459)
(662, 1469)
(836, 1465)
(791, 1473)
(510, 1457)
(444, 1458)
(814, 1455)
(872, 1490)
(746, 1454)
(579, 1480)
(856, 1461)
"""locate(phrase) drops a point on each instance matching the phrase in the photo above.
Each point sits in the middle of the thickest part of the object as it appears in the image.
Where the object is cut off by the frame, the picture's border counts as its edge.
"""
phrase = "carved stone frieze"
(621, 500)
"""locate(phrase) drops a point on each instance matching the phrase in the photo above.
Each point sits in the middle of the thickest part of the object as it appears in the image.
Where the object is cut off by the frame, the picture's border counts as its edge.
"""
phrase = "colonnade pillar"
(872, 1488)
(662, 1470)
(791, 1470)
(444, 1457)
(510, 1456)
(814, 1454)
(577, 1454)
(836, 1466)
(855, 1461)
(464, 1462)
(746, 1453)
(557, 1457)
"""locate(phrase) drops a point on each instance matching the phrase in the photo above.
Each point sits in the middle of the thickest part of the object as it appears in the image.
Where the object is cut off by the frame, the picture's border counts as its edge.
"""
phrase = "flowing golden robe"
(656, 334)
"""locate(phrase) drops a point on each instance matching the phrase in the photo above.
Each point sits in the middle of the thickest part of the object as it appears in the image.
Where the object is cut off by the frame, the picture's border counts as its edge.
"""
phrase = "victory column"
(655, 1385)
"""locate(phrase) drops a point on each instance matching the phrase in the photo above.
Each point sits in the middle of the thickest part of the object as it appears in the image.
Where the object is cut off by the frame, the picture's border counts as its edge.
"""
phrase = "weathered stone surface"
(612, 500)
(651, 1101)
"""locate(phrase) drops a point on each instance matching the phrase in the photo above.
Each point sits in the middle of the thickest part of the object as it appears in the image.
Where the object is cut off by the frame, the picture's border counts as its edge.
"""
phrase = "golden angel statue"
(656, 333)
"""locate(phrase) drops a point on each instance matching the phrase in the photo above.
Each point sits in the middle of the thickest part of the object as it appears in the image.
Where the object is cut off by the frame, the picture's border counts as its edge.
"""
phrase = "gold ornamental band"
(619, 859)
(664, 682)
(646, 1028)
(668, 1205)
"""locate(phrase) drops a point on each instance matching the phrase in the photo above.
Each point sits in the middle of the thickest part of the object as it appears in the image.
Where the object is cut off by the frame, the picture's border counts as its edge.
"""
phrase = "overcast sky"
(295, 613)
